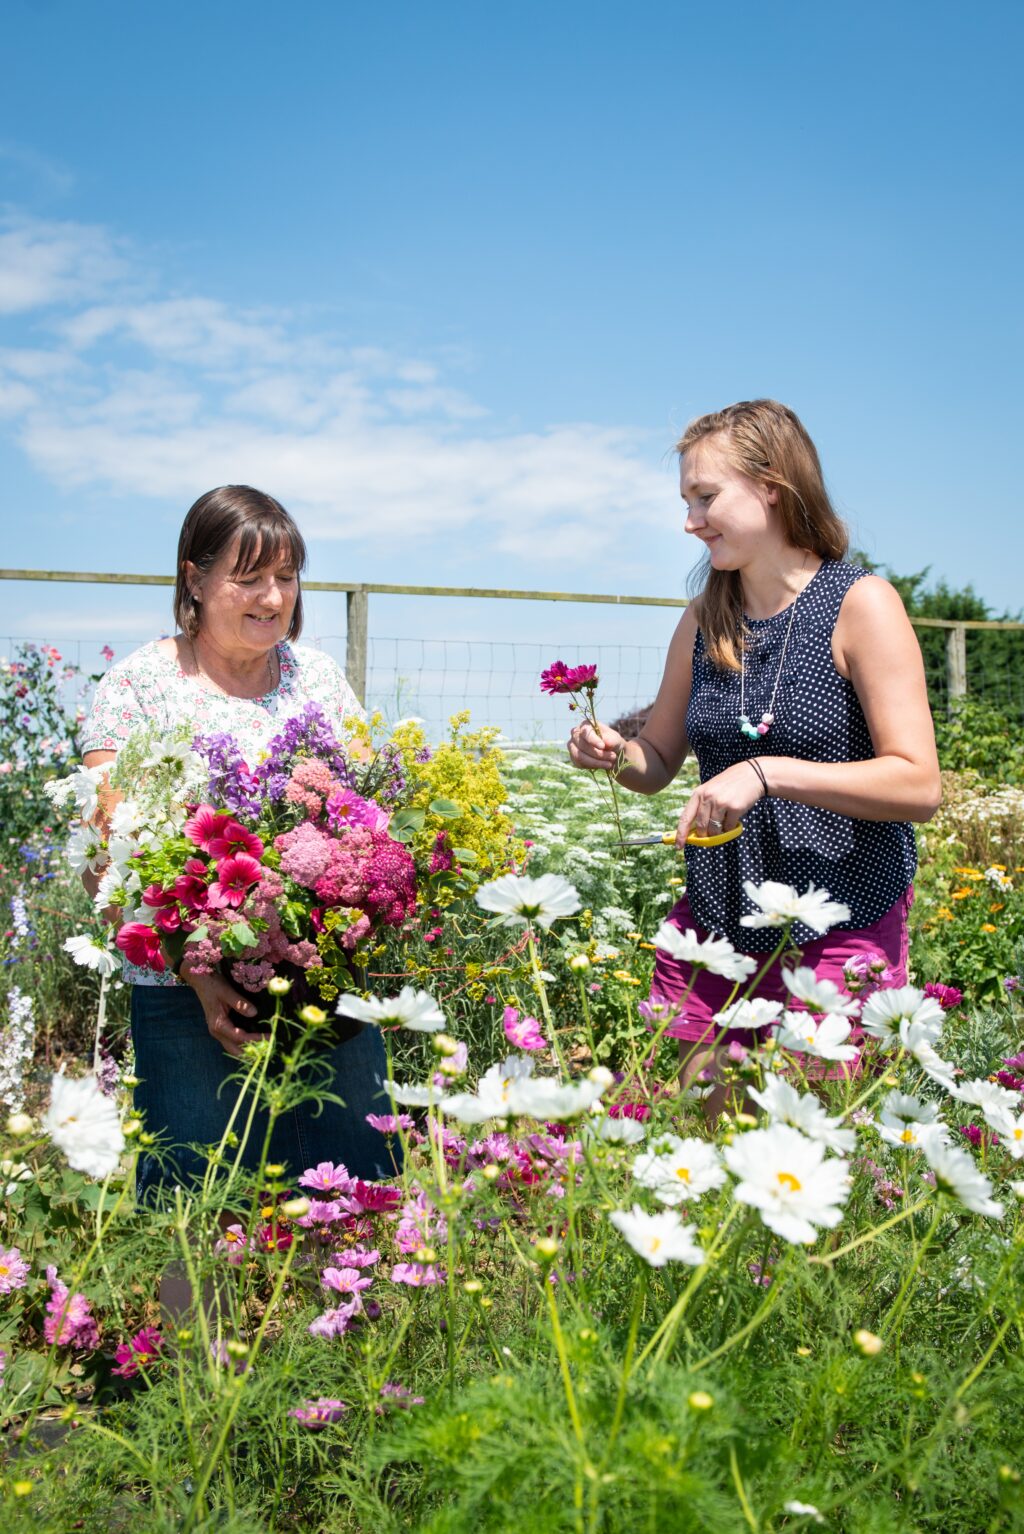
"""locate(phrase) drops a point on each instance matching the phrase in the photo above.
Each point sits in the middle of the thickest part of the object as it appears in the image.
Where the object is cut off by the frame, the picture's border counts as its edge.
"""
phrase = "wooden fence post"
(357, 608)
(956, 664)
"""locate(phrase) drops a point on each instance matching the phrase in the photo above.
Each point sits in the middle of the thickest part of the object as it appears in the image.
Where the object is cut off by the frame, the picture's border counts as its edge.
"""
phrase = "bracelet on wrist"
(752, 761)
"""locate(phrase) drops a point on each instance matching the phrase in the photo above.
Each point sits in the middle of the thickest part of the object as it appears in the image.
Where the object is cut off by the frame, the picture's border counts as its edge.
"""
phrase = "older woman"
(232, 667)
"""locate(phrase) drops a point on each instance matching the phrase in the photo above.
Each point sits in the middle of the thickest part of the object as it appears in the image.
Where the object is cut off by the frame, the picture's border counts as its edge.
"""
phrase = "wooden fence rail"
(358, 593)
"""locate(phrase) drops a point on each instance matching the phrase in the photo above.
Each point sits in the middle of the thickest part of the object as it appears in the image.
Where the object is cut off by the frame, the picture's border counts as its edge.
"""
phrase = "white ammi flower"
(85, 951)
(888, 1014)
(521, 899)
(753, 1012)
(780, 904)
(677, 1170)
(818, 995)
(786, 1177)
(715, 953)
(785, 1105)
(85, 1125)
(409, 1009)
(658, 1238)
(956, 1174)
(825, 1037)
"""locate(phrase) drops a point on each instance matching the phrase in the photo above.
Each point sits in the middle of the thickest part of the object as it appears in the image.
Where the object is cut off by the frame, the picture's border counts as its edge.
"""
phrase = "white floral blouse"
(149, 686)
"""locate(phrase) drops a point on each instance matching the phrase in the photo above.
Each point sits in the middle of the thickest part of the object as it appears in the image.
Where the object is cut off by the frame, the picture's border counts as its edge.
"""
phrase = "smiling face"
(731, 514)
(244, 612)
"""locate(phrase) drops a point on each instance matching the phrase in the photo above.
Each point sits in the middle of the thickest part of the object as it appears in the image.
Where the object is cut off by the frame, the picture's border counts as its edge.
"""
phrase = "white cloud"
(159, 397)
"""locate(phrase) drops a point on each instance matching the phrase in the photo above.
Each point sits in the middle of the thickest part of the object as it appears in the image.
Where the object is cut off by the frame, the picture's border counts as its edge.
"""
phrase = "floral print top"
(150, 686)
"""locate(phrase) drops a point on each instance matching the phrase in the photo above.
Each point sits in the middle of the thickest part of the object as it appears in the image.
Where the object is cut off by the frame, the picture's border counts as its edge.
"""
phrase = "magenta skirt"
(826, 956)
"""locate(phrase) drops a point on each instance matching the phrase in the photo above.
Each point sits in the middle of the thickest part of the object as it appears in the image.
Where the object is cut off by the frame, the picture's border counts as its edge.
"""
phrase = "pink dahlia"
(140, 945)
(347, 808)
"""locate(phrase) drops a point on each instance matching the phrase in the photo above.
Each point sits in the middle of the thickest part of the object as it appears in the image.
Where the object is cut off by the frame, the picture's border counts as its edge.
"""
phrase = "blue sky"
(449, 281)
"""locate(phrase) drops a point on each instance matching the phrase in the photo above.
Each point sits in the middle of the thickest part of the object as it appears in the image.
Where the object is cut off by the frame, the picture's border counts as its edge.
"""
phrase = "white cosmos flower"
(618, 1131)
(752, 1012)
(541, 1097)
(521, 899)
(658, 1238)
(1009, 1127)
(785, 1105)
(85, 1125)
(957, 1175)
(85, 951)
(85, 850)
(887, 1014)
(806, 1034)
(908, 1133)
(786, 1177)
(493, 1096)
(126, 819)
(780, 903)
(112, 883)
(677, 1170)
(928, 1059)
(818, 995)
(409, 1009)
(987, 1095)
(410, 1095)
(715, 953)
(1017, 1188)
(510, 1090)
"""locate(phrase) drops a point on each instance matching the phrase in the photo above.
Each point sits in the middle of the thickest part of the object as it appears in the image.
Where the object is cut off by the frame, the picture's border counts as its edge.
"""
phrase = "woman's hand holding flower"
(597, 748)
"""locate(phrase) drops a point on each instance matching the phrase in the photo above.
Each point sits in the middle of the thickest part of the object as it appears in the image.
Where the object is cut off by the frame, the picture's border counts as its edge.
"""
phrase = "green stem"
(869, 1235)
(904, 1289)
(744, 1331)
(662, 1339)
(737, 1481)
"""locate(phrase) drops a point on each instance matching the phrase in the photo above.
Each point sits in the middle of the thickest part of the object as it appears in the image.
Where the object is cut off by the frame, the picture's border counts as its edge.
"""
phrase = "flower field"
(574, 1306)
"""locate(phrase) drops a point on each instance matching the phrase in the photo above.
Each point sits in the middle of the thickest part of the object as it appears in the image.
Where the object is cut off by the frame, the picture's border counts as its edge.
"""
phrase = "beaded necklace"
(768, 717)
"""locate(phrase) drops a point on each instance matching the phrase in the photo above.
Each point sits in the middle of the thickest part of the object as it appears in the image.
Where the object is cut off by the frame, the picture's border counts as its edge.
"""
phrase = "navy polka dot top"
(865, 864)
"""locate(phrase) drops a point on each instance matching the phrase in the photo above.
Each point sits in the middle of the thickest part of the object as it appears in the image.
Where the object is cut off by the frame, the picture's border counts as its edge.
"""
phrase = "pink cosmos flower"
(140, 945)
(14, 1270)
(357, 1257)
(69, 1321)
(947, 996)
(235, 878)
(374, 1198)
(562, 678)
(397, 1396)
(417, 1275)
(144, 1348)
(390, 1123)
(345, 1281)
(322, 1212)
(325, 1177)
(333, 1323)
(320, 1413)
(523, 1032)
(234, 1245)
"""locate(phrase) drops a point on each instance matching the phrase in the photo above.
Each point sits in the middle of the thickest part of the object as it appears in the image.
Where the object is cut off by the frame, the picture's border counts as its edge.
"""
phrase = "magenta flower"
(234, 1245)
(562, 678)
(319, 1413)
(144, 1348)
(345, 807)
(348, 1282)
(947, 996)
(14, 1270)
(107, 653)
(357, 1257)
(523, 1032)
(205, 825)
(235, 878)
(333, 1323)
(397, 1396)
(390, 1123)
(232, 839)
(140, 945)
(325, 1177)
(416, 1274)
(69, 1321)
(375, 1198)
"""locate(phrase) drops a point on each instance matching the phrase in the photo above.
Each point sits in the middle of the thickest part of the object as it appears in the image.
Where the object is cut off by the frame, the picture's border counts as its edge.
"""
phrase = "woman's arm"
(108, 797)
(653, 758)
(875, 646)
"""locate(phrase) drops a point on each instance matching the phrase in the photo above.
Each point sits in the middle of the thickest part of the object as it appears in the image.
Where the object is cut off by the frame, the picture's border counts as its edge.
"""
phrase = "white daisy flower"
(715, 953)
(787, 1179)
(677, 1170)
(749, 1012)
(804, 1033)
(617, 1131)
(85, 951)
(957, 1175)
(519, 898)
(409, 1009)
(780, 904)
(887, 1014)
(785, 1105)
(85, 1125)
(658, 1238)
(818, 995)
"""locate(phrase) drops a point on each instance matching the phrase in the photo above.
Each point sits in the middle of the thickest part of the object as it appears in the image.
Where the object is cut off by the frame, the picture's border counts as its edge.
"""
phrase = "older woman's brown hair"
(265, 533)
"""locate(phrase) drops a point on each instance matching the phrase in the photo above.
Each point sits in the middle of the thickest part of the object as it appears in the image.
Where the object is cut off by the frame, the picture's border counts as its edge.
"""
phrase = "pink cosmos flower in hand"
(523, 1032)
(140, 945)
(562, 678)
(235, 878)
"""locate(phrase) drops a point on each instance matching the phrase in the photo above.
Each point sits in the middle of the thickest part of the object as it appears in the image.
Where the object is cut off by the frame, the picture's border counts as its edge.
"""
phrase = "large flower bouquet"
(289, 869)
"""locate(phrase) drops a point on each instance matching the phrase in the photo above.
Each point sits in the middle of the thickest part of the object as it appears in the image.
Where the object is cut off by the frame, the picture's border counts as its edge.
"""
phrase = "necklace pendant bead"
(767, 719)
(762, 729)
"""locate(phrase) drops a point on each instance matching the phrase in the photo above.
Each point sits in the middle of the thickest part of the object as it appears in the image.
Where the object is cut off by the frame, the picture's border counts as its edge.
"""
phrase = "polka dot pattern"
(865, 864)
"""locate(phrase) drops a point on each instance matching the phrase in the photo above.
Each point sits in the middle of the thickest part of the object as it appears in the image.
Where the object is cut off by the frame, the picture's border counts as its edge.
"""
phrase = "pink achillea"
(143, 1349)
(306, 854)
(14, 1270)
(69, 1321)
(309, 785)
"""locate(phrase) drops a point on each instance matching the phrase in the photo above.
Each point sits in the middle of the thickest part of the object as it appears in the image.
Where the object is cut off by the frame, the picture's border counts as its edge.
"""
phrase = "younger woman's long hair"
(768, 443)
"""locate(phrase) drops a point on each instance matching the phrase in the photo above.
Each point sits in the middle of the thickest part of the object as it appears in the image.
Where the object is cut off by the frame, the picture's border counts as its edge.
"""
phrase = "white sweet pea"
(524, 900)
(804, 1033)
(715, 953)
(818, 995)
(780, 904)
(658, 1238)
(416, 1010)
(677, 1170)
(787, 1179)
(785, 1105)
(87, 952)
(753, 1012)
(957, 1175)
(887, 1014)
(85, 1125)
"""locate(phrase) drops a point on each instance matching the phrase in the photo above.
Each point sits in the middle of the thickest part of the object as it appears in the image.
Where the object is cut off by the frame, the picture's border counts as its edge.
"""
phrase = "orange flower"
(987, 926)
(962, 894)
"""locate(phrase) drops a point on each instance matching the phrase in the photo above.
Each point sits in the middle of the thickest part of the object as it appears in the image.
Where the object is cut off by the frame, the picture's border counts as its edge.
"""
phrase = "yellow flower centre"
(655, 1244)
(1018, 1134)
(907, 1137)
(683, 1173)
(787, 1180)
(4, 1270)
